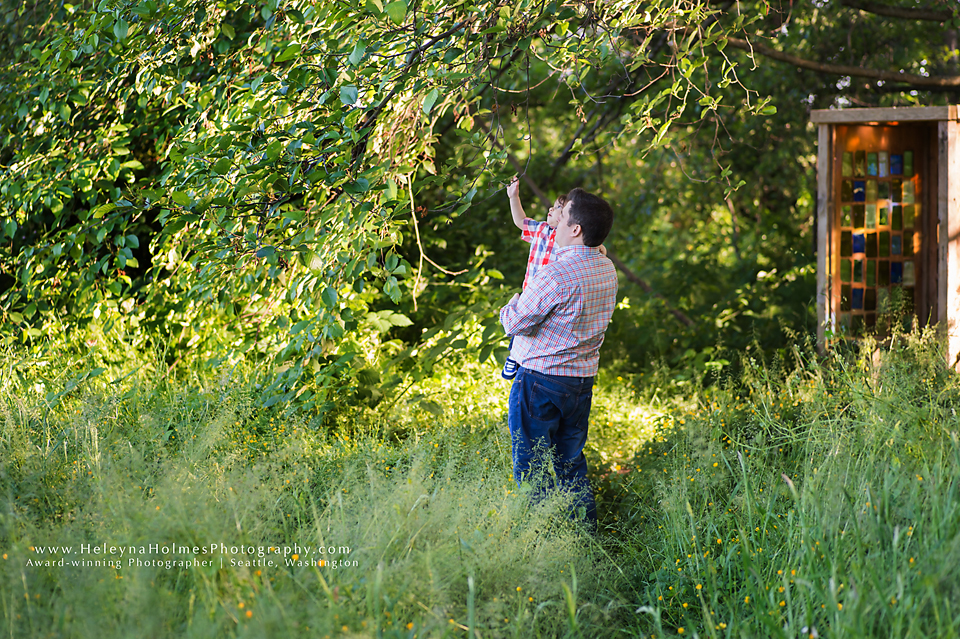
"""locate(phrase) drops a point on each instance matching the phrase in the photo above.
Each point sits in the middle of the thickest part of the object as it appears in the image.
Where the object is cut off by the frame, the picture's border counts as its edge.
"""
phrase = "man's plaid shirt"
(541, 236)
(559, 320)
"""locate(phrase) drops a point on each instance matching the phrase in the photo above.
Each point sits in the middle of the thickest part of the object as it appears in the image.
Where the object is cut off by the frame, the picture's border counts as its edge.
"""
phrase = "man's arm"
(516, 208)
(525, 312)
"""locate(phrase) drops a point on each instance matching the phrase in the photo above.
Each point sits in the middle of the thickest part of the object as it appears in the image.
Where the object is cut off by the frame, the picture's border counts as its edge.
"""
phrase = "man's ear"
(576, 230)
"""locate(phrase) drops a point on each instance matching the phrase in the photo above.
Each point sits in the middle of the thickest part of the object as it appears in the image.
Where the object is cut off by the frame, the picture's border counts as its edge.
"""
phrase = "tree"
(719, 219)
(886, 43)
(247, 176)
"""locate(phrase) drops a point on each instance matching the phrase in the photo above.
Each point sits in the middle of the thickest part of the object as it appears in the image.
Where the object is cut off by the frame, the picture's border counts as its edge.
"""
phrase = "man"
(558, 324)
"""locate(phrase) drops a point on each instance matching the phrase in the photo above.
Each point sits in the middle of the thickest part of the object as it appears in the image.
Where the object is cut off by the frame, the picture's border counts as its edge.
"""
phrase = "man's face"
(554, 214)
(566, 235)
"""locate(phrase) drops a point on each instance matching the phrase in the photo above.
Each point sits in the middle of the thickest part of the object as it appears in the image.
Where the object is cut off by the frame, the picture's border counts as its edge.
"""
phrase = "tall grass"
(429, 537)
(819, 499)
(816, 497)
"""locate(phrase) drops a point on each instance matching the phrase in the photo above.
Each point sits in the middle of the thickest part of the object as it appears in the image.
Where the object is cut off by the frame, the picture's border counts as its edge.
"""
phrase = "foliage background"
(252, 252)
(311, 181)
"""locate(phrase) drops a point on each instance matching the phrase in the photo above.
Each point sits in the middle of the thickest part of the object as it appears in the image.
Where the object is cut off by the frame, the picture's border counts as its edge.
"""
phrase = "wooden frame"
(949, 241)
(826, 314)
(934, 135)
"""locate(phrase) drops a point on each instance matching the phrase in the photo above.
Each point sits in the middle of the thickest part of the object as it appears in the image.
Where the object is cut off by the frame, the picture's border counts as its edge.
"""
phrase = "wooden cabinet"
(888, 221)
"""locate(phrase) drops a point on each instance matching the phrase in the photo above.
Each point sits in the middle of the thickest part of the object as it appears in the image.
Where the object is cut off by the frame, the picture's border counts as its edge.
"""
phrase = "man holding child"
(558, 324)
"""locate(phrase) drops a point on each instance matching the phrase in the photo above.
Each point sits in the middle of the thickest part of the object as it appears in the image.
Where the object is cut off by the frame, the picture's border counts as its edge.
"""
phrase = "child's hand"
(513, 189)
(603, 250)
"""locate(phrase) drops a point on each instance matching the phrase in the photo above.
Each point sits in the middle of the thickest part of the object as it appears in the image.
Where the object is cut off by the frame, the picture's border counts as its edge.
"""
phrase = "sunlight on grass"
(815, 500)
(806, 498)
(415, 506)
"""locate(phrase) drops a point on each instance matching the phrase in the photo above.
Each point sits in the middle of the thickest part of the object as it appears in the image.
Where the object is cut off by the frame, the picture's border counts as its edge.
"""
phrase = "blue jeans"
(548, 418)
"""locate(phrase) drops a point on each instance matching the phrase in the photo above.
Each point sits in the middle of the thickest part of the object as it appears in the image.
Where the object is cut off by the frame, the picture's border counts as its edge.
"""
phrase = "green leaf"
(392, 289)
(289, 53)
(299, 326)
(222, 166)
(120, 29)
(380, 324)
(357, 55)
(228, 30)
(398, 319)
(432, 407)
(485, 352)
(348, 95)
(102, 210)
(430, 100)
(768, 110)
(397, 11)
(273, 152)
(452, 54)
(329, 297)
(391, 190)
(360, 185)
(311, 260)
(295, 15)
(266, 251)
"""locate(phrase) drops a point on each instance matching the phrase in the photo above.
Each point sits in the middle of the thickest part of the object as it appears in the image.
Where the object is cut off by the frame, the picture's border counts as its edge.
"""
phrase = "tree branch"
(903, 13)
(605, 117)
(630, 275)
(370, 119)
(623, 268)
(910, 79)
(517, 166)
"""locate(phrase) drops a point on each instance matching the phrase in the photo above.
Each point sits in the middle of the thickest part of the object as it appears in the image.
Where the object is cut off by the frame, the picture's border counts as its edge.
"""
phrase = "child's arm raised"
(516, 209)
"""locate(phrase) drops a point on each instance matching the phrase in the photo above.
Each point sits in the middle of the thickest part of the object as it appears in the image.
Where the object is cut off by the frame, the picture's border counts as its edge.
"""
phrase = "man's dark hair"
(592, 213)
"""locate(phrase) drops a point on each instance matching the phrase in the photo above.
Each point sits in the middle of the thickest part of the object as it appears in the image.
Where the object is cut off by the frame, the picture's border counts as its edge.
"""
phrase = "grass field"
(801, 498)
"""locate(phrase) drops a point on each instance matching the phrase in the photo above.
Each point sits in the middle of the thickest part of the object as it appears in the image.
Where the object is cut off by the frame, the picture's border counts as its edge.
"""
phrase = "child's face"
(553, 215)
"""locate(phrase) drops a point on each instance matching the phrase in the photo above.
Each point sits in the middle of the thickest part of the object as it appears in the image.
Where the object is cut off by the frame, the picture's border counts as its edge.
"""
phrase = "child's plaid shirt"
(541, 237)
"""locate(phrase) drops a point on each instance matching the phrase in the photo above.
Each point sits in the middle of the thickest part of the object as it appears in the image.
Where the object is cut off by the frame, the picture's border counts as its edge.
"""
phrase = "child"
(541, 236)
